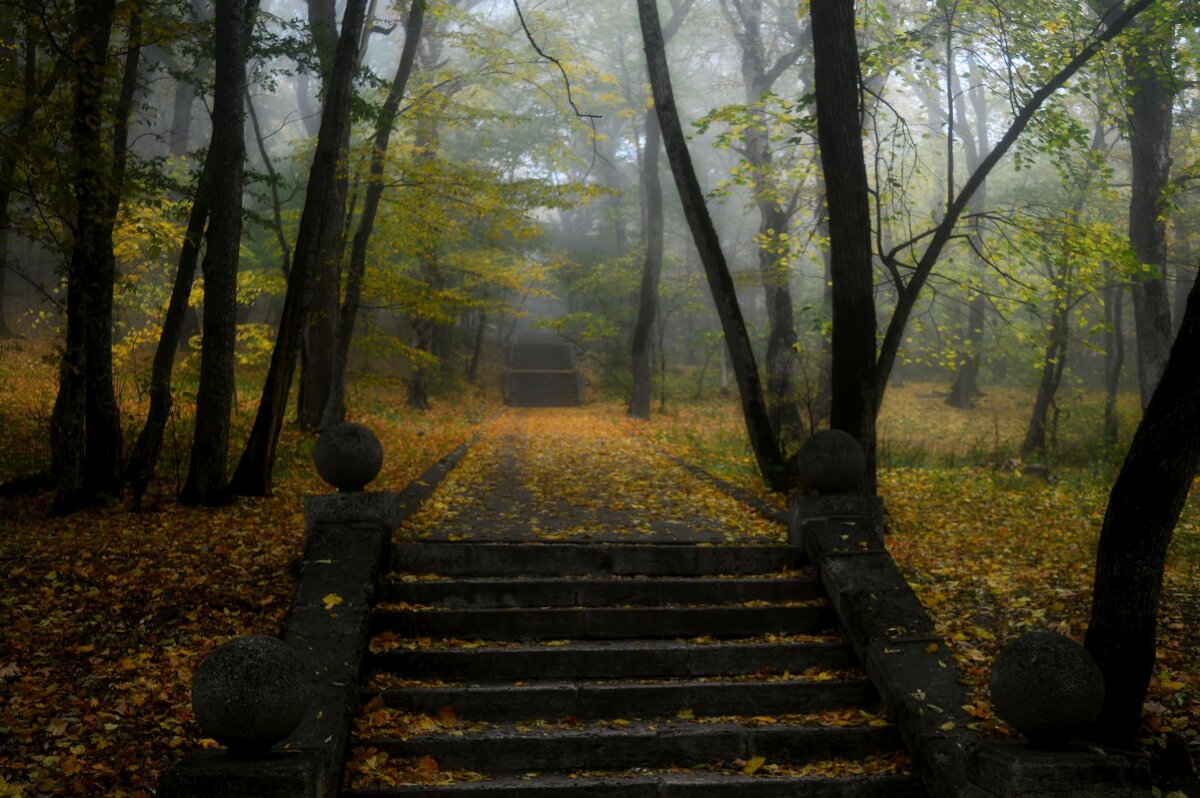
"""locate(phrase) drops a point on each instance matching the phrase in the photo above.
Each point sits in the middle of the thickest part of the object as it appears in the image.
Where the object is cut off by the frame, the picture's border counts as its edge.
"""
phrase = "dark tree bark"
(85, 423)
(1114, 355)
(252, 477)
(762, 438)
(1148, 65)
(653, 225)
(639, 400)
(965, 389)
(1143, 508)
(206, 476)
(839, 135)
(1054, 362)
(335, 408)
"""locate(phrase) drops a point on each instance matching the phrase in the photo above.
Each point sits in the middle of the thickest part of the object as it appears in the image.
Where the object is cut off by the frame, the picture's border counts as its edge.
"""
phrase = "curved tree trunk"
(1143, 508)
(206, 476)
(335, 408)
(252, 477)
(762, 438)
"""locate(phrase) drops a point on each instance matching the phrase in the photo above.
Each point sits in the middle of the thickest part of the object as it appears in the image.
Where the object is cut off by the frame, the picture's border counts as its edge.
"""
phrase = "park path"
(572, 613)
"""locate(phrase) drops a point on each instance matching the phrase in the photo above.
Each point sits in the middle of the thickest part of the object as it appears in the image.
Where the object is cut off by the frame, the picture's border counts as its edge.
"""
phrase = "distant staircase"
(541, 373)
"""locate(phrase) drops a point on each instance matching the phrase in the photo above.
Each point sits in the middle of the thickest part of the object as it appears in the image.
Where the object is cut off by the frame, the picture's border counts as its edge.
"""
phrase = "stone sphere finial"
(348, 456)
(1047, 687)
(250, 693)
(831, 461)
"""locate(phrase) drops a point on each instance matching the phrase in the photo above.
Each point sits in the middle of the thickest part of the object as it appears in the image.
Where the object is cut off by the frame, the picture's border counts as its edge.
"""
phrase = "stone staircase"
(541, 373)
(649, 669)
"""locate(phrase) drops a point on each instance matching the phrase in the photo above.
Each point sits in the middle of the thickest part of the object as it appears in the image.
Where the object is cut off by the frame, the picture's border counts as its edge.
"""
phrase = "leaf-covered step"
(519, 749)
(574, 559)
(618, 659)
(589, 700)
(589, 592)
(606, 622)
(670, 784)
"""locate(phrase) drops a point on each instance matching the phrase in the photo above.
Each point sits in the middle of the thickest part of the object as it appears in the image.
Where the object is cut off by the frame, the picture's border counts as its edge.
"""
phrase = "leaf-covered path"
(569, 474)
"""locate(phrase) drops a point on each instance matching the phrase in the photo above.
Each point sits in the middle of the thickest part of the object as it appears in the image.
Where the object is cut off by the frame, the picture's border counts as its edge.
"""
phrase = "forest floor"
(107, 612)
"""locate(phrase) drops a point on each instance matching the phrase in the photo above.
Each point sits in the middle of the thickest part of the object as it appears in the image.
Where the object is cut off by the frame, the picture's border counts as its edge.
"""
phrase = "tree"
(652, 217)
(760, 71)
(758, 426)
(1143, 508)
(252, 477)
(85, 425)
(335, 408)
(839, 57)
(837, 79)
(1148, 69)
(224, 170)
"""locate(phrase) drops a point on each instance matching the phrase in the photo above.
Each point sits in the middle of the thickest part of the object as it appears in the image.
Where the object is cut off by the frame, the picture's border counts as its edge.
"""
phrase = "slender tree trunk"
(965, 389)
(762, 438)
(1052, 370)
(639, 400)
(206, 477)
(335, 408)
(839, 135)
(1114, 355)
(1150, 105)
(1143, 509)
(144, 457)
(252, 477)
(477, 348)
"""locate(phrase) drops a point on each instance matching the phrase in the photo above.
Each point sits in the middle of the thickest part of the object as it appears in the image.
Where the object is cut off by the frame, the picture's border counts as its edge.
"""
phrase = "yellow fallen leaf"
(753, 765)
(947, 726)
(686, 714)
(331, 600)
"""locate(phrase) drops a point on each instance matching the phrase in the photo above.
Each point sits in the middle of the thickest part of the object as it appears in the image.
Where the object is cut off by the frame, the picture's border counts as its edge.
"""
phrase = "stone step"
(587, 592)
(624, 659)
(517, 749)
(607, 623)
(592, 701)
(670, 784)
(473, 559)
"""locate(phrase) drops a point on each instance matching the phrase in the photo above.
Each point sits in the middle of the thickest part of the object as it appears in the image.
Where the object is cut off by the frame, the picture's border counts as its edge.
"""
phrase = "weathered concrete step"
(551, 592)
(622, 659)
(509, 750)
(610, 623)
(575, 559)
(590, 701)
(696, 784)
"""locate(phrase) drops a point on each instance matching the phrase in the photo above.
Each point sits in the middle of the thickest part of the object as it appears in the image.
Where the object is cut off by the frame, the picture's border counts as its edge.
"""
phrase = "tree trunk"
(252, 477)
(1114, 355)
(839, 135)
(758, 426)
(477, 348)
(205, 482)
(1052, 370)
(335, 408)
(773, 247)
(639, 400)
(1143, 508)
(965, 389)
(1150, 103)
(85, 422)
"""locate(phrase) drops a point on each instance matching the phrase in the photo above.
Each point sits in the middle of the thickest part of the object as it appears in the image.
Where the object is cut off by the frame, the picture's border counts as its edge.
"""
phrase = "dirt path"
(566, 474)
